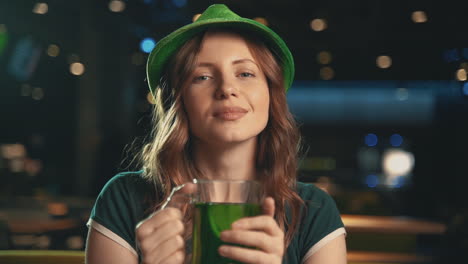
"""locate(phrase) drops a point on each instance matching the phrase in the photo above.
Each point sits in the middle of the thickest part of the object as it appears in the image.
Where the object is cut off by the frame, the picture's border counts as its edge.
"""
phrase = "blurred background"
(381, 95)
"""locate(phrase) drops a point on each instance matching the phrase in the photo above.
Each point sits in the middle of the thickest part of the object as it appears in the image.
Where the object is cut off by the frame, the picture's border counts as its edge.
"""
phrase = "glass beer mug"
(215, 204)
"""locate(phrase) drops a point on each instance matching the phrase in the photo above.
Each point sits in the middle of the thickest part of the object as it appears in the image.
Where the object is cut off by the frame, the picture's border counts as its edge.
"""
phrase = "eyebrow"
(207, 64)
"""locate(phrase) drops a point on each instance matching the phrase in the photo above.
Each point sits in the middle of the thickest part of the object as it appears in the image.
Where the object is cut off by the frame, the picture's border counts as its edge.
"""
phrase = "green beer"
(209, 220)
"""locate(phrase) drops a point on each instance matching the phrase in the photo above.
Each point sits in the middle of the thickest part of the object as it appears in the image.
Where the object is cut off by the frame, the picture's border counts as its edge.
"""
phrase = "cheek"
(262, 101)
(195, 108)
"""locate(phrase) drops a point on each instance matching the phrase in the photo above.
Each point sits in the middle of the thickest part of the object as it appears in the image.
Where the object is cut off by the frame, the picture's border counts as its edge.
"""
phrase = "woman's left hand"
(260, 232)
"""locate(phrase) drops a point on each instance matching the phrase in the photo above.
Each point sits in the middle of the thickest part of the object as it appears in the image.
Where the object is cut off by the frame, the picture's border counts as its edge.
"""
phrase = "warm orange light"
(327, 73)
(261, 20)
(318, 24)
(384, 62)
(13, 151)
(77, 68)
(461, 75)
(57, 209)
(419, 17)
(324, 57)
(116, 6)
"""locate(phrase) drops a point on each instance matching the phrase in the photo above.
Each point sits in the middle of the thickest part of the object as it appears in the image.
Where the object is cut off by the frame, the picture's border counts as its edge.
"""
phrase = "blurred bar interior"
(381, 94)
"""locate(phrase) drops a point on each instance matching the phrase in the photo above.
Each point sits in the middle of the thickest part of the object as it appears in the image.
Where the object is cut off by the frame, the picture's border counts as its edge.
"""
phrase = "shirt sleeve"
(321, 222)
(118, 208)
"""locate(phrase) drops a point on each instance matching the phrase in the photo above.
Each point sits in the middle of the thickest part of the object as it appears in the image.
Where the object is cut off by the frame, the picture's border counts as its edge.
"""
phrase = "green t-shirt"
(122, 204)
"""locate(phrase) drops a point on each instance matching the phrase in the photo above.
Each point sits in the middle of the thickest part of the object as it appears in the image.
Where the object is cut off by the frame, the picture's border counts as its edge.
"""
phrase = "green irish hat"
(215, 16)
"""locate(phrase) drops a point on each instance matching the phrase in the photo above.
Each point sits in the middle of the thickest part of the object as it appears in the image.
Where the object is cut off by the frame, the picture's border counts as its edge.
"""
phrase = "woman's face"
(226, 97)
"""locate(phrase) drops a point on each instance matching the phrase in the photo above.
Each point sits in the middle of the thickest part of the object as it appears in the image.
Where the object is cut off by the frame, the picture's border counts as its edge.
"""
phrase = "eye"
(246, 74)
(202, 78)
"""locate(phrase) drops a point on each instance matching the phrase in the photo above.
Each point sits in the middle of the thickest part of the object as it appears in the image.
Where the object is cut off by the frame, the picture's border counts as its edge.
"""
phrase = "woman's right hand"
(159, 237)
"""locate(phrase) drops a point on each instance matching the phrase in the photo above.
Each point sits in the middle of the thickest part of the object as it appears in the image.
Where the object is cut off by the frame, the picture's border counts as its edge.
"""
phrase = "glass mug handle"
(171, 195)
(179, 200)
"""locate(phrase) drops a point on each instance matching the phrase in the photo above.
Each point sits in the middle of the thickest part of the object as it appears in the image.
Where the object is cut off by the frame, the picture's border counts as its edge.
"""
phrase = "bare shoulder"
(101, 249)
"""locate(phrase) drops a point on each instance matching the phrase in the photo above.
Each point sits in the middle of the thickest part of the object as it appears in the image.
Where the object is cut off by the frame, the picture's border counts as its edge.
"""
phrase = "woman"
(221, 113)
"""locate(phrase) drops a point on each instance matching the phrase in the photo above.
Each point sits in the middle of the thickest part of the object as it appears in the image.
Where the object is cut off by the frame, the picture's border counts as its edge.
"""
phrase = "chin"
(228, 139)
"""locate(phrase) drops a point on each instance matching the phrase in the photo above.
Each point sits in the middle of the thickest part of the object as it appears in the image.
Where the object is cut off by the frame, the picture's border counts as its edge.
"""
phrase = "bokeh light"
(147, 45)
(75, 242)
(398, 181)
(324, 57)
(396, 140)
(371, 140)
(37, 93)
(261, 20)
(397, 162)
(372, 180)
(384, 62)
(318, 24)
(12, 151)
(327, 73)
(57, 208)
(77, 68)
(40, 8)
(419, 17)
(116, 6)
(465, 88)
(53, 50)
(461, 75)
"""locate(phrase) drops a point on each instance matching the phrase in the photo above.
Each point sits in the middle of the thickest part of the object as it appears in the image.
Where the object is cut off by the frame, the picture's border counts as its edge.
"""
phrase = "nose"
(226, 88)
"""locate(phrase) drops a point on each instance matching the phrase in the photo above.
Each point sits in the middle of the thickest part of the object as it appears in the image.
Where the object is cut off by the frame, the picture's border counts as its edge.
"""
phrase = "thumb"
(268, 206)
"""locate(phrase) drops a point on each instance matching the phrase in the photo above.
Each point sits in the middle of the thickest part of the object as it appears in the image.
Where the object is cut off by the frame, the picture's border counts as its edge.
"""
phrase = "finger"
(263, 223)
(268, 206)
(160, 235)
(177, 257)
(169, 247)
(246, 255)
(155, 220)
(252, 239)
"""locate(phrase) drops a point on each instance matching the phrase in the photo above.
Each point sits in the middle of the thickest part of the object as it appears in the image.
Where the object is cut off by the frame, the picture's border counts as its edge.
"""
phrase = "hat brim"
(169, 45)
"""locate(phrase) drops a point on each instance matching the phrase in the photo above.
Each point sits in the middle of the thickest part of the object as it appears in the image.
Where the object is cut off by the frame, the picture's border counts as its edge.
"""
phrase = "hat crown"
(217, 11)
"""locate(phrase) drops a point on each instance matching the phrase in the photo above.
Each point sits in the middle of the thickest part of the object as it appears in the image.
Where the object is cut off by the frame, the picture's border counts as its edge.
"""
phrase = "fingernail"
(222, 250)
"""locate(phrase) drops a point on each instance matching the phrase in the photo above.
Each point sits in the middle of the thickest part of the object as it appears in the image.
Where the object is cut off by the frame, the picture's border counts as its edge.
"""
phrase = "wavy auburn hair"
(167, 160)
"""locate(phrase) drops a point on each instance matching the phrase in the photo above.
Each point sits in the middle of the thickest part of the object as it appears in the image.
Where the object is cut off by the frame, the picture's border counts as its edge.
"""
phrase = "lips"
(230, 113)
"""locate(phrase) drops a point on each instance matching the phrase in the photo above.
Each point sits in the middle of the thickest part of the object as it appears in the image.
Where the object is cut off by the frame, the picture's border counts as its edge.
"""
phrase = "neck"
(226, 162)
